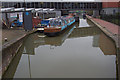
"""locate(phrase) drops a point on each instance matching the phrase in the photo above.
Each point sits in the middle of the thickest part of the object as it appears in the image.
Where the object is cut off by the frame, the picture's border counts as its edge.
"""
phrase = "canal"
(83, 51)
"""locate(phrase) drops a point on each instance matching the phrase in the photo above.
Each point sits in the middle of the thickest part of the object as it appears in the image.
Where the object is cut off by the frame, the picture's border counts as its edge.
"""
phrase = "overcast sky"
(60, 0)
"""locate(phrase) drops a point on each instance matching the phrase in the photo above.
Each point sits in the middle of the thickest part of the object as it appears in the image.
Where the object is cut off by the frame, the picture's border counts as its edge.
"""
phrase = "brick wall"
(110, 4)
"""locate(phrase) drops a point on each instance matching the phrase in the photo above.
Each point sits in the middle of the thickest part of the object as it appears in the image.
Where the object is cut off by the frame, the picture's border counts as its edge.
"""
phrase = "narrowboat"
(54, 41)
(42, 24)
(58, 25)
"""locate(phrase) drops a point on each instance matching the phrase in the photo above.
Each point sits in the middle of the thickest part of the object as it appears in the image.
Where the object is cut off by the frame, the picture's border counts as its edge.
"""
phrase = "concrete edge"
(5, 46)
(115, 39)
(14, 41)
(107, 32)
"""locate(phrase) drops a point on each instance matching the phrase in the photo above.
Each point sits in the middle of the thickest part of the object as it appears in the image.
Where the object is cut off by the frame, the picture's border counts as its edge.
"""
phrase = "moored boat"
(58, 25)
(42, 25)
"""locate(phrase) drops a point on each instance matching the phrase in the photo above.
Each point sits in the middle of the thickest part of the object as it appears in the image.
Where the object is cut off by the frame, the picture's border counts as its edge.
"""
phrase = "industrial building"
(110, 8)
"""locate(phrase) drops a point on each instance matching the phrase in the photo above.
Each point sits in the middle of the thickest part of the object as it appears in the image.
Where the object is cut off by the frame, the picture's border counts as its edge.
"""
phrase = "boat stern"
(52, 31)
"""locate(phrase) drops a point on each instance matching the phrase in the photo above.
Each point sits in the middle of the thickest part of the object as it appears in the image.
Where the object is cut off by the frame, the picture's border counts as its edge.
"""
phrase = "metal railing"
(113, 18)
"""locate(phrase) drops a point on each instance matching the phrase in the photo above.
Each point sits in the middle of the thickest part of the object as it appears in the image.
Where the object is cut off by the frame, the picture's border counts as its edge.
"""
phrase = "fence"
(115, 18)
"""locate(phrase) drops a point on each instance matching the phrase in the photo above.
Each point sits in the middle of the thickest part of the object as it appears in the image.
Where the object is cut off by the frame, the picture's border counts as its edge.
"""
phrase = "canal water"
(83, 51)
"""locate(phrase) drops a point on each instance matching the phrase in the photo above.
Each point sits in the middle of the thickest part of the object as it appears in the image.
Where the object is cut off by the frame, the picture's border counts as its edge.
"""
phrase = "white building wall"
(110, 11)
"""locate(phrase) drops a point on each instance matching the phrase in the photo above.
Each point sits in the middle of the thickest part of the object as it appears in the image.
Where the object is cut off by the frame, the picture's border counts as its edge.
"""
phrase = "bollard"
(5, 39)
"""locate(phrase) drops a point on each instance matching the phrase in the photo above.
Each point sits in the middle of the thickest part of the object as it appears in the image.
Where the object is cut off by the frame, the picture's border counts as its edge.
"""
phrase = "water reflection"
(99, 40)
(14, 64)
(74, 54)
(57, 41)
(83, 23)
(106, 45)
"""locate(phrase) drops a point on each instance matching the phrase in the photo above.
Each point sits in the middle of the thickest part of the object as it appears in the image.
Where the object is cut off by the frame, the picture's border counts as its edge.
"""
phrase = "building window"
(114, 11)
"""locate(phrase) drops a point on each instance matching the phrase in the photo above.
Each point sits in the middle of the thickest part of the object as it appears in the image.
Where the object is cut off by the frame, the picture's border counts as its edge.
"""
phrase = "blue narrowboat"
(43, 23)
(58, 25)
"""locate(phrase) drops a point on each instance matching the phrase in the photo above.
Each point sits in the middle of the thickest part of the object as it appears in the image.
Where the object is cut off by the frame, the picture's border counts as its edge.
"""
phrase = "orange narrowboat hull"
(51, 30)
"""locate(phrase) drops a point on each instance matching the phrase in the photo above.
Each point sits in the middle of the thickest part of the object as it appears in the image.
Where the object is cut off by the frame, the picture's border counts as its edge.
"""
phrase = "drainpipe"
(118, 51)
(24, 6)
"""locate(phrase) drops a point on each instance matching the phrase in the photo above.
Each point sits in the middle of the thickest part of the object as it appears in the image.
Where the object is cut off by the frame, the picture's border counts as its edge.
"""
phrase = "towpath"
(113, 31)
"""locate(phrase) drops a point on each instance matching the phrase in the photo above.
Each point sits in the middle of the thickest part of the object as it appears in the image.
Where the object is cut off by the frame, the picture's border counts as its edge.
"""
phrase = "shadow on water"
(13, 65)
(75, 33)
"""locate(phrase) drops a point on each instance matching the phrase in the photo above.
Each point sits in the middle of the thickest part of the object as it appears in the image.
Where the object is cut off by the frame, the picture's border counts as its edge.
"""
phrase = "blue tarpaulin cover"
(45, 22)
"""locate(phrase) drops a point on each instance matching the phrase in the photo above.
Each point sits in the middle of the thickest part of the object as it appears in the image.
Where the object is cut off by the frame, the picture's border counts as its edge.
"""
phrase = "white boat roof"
(6, 9)
(38, 9)
(45, 9)
(19, 9)
(30, 9)
(41, 10)
(51, 9)
(50, 19)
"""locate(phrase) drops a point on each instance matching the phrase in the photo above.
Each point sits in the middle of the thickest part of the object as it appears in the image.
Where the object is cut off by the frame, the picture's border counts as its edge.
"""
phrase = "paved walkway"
(113, 31)
(113, 28)
(11, 35)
